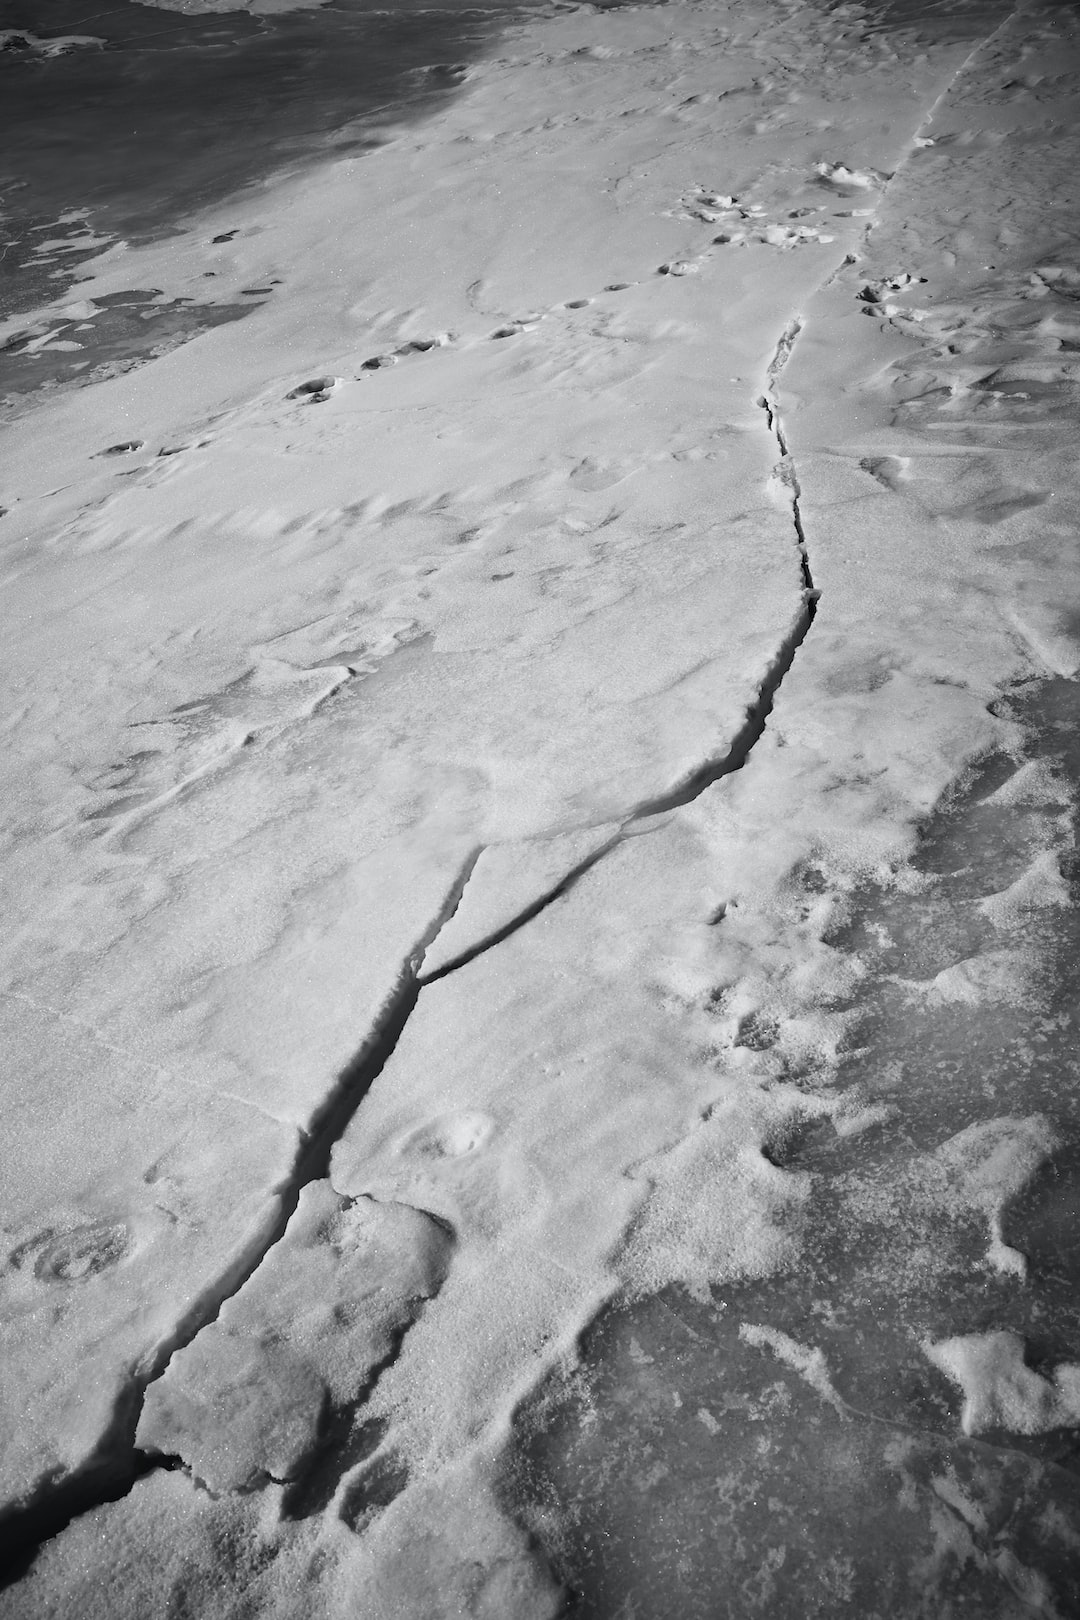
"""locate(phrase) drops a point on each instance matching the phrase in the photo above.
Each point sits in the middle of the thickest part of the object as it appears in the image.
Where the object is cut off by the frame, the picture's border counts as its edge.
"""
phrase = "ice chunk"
(245, 1401)
(237, 1409)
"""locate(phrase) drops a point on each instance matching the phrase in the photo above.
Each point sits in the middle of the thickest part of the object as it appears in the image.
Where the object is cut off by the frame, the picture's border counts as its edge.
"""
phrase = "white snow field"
(540, 969)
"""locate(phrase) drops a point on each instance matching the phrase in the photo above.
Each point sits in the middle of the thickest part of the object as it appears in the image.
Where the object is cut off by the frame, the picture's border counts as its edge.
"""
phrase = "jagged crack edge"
(738, 752)
(117, 1464)
(113, 1470)
(533, 909)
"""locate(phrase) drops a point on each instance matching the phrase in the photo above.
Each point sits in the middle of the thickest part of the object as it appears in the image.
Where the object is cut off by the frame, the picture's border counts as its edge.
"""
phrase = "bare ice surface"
(541, 782)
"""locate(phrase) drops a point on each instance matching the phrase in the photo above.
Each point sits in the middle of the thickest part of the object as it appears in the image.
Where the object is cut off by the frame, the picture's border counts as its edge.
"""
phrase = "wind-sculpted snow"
(580, 773)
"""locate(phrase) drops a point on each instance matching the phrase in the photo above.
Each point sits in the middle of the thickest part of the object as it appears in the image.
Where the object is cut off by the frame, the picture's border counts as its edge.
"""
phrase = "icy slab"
(692, 1453)
(251, 1396)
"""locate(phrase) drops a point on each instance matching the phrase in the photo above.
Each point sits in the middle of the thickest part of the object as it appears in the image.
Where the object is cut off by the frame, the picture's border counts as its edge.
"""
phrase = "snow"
(245, 1401)
(1000, 1392)
(474, 756)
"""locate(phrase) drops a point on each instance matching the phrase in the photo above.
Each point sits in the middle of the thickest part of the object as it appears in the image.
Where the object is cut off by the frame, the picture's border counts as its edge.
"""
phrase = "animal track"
(124, 449)
(888, 470)
(749, 224)
(315, 390)
(412, 346)
(746, 222)
(452, 1137)
(74, 1254)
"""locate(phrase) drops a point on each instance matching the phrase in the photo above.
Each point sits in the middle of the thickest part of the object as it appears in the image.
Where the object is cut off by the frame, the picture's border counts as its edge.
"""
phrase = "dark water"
(174, 112)
(167, 113)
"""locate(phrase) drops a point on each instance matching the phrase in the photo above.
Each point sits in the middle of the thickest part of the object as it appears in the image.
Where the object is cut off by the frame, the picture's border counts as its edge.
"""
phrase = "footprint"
(75, 1254)
(888, 470)
(316, 389)
(678, 267)
(378, 361)
(425, 345)
(452, 1137)
(577, 303)
(371, 1490)
(226, 236)
(618, 286)
(591, 474)
(124, 449)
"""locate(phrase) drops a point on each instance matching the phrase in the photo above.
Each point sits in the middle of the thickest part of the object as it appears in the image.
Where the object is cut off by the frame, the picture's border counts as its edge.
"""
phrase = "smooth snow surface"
(540, 973)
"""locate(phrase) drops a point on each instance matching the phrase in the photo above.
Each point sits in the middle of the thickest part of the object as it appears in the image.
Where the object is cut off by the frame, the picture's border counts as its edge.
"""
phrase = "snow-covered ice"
(540, 974)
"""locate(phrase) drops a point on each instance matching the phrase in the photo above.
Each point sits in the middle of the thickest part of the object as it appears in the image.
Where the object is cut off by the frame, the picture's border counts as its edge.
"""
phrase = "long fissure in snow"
(119, 1463)
(748, 735)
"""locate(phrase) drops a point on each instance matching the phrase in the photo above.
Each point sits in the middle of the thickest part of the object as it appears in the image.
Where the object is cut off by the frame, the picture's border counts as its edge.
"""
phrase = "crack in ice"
(117, 1463)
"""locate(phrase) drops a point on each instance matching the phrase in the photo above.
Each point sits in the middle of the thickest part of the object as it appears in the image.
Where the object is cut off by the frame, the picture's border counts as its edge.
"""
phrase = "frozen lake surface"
(540, 813)
(118, 124)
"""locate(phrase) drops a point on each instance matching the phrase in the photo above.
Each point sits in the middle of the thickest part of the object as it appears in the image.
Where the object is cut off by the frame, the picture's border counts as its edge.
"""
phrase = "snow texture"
(540, 806)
